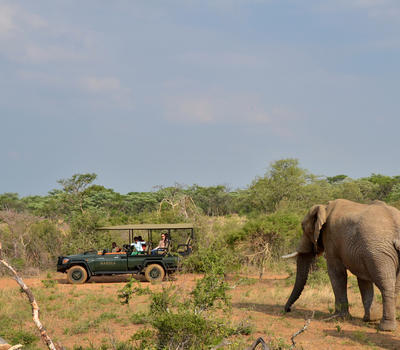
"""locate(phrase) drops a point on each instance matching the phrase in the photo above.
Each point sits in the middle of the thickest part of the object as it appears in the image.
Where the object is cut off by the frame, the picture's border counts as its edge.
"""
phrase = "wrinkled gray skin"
(364, 239)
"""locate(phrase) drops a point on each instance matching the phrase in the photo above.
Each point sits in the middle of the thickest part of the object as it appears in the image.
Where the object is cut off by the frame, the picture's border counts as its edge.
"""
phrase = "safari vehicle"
(154, 265)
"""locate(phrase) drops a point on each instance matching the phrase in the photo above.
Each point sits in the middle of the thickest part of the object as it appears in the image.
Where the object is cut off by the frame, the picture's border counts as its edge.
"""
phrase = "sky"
(148, 93)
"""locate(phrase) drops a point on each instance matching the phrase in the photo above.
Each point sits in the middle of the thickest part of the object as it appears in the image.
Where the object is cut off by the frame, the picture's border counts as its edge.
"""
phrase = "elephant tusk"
(293, 255)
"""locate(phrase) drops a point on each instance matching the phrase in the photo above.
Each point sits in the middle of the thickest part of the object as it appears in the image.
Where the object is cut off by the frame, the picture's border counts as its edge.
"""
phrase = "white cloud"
(51, 53)
(7, 14)
(100, 84)
(29, 38)
(224, 59)
(234, 109)
(373, 8)
(109, 88)
(221, 5)
(16, 22)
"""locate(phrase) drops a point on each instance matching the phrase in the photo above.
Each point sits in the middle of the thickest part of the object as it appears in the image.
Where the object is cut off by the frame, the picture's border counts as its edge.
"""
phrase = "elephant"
(362, 238)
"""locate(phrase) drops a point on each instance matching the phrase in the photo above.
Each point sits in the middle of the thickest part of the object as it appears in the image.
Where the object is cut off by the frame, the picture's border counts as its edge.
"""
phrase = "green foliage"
(244, 328)
(186, 330)
(283, 181)
(65, 220)
(214, 200)
(11, 201)
(209, 292)
(9, 330)
(184, 323)
(336, 179)
(216, 257)
(162, 301)
(126, 293)
(139, 318)
(280, 230)
(49, 283)
(319, 273)
(22, 337)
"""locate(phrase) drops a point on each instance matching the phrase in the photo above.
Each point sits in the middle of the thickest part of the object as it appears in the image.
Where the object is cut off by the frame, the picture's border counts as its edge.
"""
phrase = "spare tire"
(154, 273)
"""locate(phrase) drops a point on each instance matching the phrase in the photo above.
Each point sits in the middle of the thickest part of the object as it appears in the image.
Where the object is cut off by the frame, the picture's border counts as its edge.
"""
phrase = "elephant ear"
(312, 225)
(320, 219)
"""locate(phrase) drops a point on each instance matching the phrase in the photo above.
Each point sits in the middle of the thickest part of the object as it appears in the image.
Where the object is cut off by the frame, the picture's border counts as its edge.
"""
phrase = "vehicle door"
(111, 262)
(135, 262)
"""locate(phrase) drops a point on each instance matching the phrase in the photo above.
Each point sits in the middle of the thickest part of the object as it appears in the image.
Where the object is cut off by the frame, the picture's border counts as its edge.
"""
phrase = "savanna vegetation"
(238, 231)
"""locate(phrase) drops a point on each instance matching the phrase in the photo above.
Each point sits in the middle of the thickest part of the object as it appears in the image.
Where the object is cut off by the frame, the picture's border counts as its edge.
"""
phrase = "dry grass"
(91, 314)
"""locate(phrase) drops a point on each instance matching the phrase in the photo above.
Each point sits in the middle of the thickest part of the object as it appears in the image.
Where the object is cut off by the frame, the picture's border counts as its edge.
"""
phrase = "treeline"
(35, 229)
(285, 183)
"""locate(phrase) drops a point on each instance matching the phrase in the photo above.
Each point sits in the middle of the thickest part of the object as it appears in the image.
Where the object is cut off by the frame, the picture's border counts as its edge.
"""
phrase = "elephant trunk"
(304, 262)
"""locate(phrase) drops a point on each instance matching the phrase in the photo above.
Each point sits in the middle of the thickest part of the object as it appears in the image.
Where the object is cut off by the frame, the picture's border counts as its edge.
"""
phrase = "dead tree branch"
(301, 331)
(258, 341)
(35, 307)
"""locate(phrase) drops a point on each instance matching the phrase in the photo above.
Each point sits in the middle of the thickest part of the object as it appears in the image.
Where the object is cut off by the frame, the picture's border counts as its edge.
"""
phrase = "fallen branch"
(16, 347)
(301, 331)
(258, 341)
(221, 344)
(35, 307)
(332, 317)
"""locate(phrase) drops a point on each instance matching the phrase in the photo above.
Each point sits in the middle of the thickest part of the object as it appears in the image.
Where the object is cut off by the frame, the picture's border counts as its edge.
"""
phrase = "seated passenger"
(114, 248)
(162, 245)
(137, 245)
(142, 242)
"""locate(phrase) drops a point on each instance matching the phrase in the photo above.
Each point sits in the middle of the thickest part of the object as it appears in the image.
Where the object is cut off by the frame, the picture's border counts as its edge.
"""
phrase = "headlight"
(65, 260)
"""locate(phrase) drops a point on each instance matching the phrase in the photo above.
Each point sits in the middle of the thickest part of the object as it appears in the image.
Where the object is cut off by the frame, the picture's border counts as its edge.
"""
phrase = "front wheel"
(154, 273)
(77, 275)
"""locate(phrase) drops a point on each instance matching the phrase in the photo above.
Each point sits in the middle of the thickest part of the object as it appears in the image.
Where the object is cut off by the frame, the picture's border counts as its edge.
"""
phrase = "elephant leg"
(367, 295)
(387, 288)
(338, 276)
(397, 288)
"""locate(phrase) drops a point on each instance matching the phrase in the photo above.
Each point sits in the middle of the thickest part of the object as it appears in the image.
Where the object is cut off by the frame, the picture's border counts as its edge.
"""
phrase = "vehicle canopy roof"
(148, 227)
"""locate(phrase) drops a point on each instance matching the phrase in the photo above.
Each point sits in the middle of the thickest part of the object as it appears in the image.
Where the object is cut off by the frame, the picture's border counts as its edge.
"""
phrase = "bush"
(280, 230)
(187, 330)
(184, 323)
(216, 257)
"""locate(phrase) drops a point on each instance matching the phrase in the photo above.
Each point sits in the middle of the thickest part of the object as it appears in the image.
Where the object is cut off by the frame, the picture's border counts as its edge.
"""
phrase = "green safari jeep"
(153, 264)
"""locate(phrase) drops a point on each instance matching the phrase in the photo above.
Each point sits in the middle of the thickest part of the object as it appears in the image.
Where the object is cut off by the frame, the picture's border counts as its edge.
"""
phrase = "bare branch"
(15, 347)
(258, 341)
(35, 307)
(221, 344)
(301, 331)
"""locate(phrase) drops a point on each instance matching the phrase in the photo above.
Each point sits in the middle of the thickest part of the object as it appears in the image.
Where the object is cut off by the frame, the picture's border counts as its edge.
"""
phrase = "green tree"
(283, 181)
(73, 190)
(11, 201)
(384, 184)
(336, 179)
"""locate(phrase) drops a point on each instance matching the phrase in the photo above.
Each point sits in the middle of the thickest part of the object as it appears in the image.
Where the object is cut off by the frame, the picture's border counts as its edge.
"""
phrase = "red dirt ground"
(258, 301)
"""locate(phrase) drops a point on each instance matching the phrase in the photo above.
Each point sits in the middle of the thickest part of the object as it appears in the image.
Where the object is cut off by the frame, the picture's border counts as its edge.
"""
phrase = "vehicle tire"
(77, 275)
(154, 273)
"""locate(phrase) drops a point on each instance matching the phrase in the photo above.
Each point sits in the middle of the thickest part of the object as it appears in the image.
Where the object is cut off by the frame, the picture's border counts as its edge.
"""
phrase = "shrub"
(185, 323)
(216, 257)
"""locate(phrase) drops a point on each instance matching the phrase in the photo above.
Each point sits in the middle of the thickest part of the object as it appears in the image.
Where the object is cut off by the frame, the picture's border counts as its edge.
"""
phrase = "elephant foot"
(387, 325)
(372, 317)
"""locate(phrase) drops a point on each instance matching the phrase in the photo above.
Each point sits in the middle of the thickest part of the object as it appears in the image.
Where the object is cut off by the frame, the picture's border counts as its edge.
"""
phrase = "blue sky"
(148, 93)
